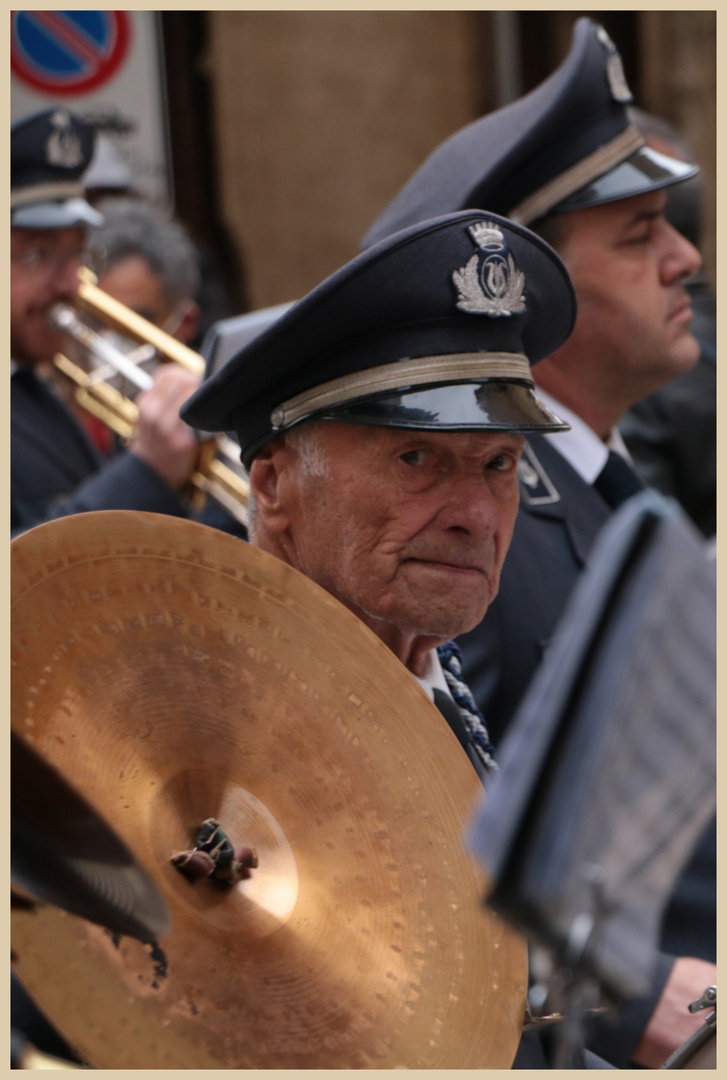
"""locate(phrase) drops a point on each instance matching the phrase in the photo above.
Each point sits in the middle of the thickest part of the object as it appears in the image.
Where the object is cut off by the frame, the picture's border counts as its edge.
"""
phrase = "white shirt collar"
(433, 676)
(580, 446)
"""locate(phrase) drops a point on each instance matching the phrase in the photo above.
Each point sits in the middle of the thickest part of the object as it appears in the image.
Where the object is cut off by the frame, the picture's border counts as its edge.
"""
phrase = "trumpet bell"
(106, 380)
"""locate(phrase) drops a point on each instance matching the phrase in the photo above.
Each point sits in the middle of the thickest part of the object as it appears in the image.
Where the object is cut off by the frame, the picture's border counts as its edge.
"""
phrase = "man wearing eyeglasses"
(55, 468)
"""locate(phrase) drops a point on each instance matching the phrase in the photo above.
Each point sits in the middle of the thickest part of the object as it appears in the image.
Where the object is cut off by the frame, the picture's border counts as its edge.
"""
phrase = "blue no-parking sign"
(68, 52)
(105, 66)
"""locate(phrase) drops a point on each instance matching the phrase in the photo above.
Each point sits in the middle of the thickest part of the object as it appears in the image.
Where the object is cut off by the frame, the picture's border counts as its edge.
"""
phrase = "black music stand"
(608, 775)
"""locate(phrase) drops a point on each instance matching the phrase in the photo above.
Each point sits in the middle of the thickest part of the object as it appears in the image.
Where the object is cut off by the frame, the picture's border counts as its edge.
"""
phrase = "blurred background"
(278, 136)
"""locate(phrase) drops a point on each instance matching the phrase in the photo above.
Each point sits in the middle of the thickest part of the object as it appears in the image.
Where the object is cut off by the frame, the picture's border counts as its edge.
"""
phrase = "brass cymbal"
(174, 673)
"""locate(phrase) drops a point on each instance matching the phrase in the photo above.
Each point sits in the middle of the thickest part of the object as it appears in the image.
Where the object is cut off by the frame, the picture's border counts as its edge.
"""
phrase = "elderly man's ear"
(266, 473)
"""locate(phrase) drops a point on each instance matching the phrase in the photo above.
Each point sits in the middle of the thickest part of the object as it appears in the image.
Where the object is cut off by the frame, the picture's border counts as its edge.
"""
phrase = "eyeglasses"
(42, 260)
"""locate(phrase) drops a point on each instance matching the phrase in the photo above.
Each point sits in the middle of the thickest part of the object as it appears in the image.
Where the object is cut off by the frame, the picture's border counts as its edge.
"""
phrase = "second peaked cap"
(567, 145)
(49, 152)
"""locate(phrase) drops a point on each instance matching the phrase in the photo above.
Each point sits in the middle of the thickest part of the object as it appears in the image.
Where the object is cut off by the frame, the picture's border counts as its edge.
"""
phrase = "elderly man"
(55, 468)
(567, 160)
(380, 419)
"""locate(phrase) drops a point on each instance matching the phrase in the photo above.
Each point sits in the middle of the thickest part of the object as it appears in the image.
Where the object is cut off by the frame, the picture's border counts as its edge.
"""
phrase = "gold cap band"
(423, 370)
(36, 193)
(580, 174)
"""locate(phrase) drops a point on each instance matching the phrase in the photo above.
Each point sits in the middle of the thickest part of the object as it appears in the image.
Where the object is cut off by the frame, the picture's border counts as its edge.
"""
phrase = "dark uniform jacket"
(559, 519)
(56, 470)
(536, 1049)
(672, 437)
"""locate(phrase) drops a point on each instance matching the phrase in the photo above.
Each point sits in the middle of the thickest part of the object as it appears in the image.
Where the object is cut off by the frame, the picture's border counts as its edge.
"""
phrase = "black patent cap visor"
(644, 170)
(487, 406)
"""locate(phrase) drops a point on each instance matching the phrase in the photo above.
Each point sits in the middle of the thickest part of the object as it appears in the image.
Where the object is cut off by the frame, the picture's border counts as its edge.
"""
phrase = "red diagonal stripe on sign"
(70, 35)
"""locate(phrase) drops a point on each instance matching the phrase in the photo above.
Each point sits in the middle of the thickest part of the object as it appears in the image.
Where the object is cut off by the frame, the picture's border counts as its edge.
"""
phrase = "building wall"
(320, 117)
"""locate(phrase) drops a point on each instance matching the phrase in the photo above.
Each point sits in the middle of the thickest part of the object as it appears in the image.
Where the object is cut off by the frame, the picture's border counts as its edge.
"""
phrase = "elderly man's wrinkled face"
(406, 528)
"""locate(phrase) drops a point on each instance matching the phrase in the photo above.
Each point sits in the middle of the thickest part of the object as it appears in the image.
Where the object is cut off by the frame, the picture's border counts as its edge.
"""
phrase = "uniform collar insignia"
(536, 487)
(489, 284)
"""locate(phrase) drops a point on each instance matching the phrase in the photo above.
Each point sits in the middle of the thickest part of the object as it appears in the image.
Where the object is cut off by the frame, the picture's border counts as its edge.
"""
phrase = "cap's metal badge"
(63, 146)
(489, 284)
(614, 69)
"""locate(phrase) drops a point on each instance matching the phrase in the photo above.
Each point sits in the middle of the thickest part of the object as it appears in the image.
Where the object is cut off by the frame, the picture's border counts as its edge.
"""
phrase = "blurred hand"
(164, 442)
(671, 1022)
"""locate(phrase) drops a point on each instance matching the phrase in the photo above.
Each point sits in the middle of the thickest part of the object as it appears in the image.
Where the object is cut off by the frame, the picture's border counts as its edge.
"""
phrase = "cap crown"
(566, 132)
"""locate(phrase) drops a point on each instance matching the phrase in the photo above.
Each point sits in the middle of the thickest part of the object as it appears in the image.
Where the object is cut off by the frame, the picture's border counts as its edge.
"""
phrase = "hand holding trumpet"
(163, 441)
(150, 423)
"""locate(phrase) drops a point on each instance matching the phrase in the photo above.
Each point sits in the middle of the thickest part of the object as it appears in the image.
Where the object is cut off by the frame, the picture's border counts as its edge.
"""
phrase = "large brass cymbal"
(173, 673)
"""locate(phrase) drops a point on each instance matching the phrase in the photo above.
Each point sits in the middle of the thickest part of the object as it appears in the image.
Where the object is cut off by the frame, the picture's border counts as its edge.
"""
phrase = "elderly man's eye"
(502, 463)
(415, 457)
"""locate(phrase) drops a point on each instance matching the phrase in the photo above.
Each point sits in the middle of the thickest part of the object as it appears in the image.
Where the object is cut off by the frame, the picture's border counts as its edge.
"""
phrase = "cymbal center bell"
(213, 858)
(258, 904)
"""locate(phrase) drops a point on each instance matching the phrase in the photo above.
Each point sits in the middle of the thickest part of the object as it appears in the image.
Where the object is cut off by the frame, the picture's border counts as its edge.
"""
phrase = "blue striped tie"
(450, 658)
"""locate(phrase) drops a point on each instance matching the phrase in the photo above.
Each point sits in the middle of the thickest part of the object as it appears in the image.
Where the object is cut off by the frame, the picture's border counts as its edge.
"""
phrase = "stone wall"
(320, 117)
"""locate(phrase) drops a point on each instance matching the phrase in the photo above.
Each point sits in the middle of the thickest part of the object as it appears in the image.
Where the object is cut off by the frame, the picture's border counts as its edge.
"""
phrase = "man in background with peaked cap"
(55, 468)
(672, 434)
(380, 419)
(567, 161)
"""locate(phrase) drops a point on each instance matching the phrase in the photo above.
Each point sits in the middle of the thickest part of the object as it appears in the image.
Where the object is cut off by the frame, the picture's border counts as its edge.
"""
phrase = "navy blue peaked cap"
(49, 152)
(434, 328)
(566, 145)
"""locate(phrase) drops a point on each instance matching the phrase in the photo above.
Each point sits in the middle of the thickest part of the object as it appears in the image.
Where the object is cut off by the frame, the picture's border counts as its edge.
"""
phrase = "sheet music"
(608, 776)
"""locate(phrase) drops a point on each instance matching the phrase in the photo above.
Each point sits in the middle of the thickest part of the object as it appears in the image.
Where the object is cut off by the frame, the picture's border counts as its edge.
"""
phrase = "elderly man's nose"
(470, 507)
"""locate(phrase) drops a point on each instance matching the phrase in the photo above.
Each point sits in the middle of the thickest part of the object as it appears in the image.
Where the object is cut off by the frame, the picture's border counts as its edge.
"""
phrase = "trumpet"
(223, 482)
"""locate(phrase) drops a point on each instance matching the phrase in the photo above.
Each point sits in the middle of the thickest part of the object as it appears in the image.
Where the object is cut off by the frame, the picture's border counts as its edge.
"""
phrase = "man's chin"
(40, 350)
(685, 354)
(678, 359)
(443, 627)
(464, 626)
